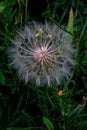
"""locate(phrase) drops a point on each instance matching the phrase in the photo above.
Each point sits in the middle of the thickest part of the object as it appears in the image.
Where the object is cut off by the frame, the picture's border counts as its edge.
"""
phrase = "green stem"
(26, 9)
(29, 128)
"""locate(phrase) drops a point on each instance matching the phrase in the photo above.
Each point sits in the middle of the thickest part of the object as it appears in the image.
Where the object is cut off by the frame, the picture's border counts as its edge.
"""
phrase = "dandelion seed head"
(42, 54)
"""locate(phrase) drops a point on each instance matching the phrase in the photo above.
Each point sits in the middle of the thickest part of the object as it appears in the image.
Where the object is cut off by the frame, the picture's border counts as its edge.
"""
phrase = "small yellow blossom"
(50, 35)
(37, 34)
(60, 93)
(41, 30)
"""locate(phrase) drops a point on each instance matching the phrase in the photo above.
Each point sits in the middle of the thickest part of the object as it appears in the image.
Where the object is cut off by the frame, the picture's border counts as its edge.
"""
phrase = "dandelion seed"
(42, 57)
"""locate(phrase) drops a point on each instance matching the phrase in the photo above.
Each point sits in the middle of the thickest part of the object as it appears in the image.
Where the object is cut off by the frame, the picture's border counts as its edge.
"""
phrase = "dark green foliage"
(29, 107)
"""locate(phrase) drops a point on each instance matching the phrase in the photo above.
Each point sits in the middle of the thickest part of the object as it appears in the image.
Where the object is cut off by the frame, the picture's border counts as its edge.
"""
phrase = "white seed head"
(42, 54)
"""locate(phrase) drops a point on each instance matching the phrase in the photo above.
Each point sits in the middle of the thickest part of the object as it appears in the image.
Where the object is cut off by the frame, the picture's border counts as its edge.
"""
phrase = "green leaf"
(19, 104)
(15, 120)
(70, 22)
(2, 6)
(2, 48)
(2, 79)
(48, 123)
(8, 129)
(84, 81)
(23, 2)
(12, 2)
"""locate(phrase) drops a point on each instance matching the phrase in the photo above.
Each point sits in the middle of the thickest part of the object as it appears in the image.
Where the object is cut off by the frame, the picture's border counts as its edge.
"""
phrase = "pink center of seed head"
(42, 55)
